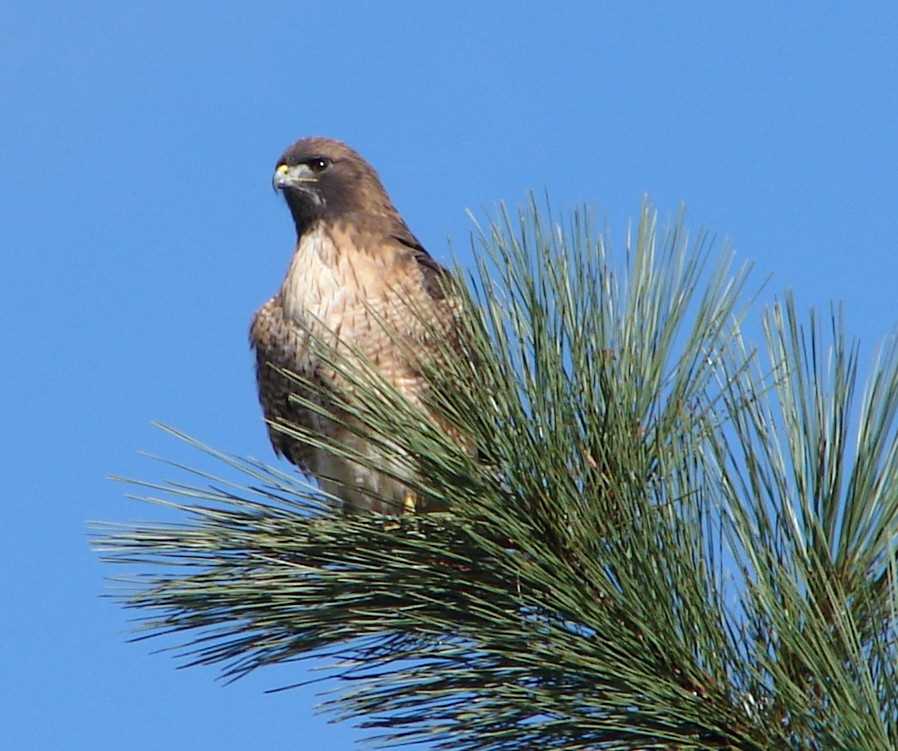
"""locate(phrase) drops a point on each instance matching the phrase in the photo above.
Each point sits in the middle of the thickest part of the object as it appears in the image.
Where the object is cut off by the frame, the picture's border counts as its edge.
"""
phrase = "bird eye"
(319, 164)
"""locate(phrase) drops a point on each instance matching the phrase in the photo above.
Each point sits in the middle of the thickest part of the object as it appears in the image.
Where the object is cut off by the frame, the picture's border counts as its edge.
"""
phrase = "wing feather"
(277, 345)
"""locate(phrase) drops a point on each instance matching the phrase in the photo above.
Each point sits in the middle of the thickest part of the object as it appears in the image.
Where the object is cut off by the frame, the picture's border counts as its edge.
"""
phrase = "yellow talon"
(410, 502)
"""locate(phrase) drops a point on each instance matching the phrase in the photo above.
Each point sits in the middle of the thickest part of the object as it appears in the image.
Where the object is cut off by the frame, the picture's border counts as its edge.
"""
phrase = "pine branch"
(653, 546)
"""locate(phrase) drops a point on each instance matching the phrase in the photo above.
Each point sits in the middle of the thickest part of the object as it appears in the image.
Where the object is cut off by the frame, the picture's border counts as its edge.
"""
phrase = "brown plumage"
(358, 280)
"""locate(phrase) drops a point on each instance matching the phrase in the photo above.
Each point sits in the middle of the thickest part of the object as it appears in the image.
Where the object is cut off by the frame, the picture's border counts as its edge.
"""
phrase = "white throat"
(313, 284)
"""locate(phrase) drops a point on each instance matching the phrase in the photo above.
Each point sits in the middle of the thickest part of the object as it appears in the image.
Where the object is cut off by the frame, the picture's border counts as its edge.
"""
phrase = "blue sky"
(140, 232)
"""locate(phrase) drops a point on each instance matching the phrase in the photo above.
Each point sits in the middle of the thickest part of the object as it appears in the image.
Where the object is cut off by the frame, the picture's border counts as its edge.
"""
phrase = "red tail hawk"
(355, 270)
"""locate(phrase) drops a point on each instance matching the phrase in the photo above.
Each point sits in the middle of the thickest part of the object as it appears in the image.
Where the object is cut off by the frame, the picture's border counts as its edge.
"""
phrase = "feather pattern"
(358, 281)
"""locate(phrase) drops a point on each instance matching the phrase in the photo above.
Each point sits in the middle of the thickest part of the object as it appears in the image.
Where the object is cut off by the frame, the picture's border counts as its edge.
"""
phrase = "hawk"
(358, 281)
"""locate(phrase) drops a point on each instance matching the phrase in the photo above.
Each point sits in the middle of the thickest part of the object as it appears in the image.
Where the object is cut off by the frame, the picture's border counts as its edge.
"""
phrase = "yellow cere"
(282, 169)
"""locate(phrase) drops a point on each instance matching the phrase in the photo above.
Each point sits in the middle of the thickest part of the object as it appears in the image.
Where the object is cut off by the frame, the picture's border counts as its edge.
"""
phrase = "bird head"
(322, 178)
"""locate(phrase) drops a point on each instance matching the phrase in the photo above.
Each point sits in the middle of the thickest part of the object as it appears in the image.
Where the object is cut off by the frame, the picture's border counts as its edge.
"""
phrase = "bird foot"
(410, 502)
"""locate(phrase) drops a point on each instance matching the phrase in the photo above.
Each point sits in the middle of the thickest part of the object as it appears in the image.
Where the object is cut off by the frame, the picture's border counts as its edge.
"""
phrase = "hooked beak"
(297, 177)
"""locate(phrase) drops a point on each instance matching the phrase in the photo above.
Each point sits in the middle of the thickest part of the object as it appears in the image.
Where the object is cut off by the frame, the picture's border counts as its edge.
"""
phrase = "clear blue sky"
(140, 232)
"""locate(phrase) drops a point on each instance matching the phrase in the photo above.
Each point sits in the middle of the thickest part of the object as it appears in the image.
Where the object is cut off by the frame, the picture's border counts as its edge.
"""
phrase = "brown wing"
(443, 336)
(436, 278)
(278, 344)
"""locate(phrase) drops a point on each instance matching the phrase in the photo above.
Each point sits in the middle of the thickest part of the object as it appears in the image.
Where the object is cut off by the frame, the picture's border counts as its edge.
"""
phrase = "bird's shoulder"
(436, 279)
(399, 255)
(266, 324)
(274, 337)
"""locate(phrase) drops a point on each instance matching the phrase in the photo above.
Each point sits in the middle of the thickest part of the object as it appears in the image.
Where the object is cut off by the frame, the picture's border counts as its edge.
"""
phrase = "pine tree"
(663, 540)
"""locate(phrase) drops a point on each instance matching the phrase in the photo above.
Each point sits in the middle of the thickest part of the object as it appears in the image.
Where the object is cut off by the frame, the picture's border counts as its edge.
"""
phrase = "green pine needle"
(659, 542)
